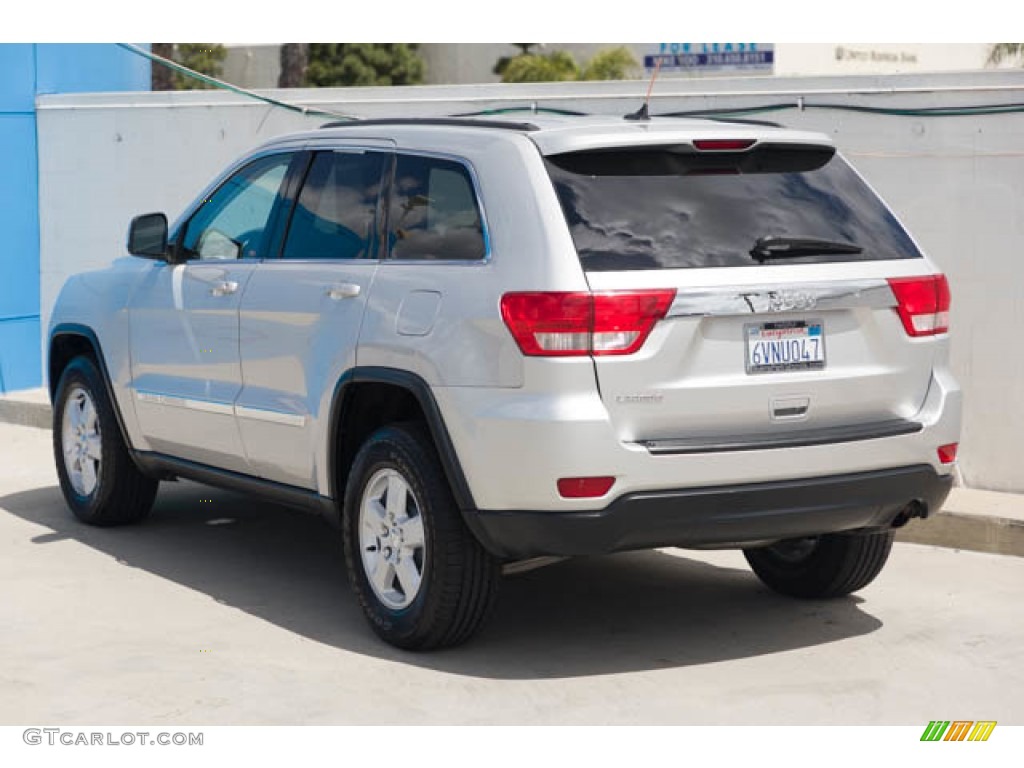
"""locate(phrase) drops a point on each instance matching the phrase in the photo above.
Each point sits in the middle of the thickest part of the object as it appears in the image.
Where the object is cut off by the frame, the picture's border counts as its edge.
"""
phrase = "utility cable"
(801, 104)
(533, 109)
(725, 112)
(969, 111)
(228, 86)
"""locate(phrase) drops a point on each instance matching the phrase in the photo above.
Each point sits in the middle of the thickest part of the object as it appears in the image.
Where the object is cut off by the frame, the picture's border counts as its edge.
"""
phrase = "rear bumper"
(717, 517)
(513, 445)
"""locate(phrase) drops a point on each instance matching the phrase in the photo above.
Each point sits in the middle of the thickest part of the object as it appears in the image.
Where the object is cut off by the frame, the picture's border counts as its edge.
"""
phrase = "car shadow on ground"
(600, 615)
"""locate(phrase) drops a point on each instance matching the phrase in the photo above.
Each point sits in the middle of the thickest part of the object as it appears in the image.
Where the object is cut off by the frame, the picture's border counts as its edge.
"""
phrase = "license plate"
(794, 345)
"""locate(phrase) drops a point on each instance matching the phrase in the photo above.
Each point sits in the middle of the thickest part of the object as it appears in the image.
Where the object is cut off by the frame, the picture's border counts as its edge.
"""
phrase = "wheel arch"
(350, 392)
(68, 341)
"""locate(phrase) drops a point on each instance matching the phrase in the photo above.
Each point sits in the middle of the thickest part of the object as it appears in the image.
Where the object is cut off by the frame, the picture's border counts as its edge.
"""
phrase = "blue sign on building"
(711, 56)
(27, 70)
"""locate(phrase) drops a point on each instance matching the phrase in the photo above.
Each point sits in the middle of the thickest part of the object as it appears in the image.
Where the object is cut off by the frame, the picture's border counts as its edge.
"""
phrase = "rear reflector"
(722, 145)
(947, 453)
(584, 487)
(553, 324)
(923, 303)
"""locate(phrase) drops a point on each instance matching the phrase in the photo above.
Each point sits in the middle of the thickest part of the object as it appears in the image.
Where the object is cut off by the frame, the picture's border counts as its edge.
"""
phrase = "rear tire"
(825, 566)
(98, 478)
(421, 578)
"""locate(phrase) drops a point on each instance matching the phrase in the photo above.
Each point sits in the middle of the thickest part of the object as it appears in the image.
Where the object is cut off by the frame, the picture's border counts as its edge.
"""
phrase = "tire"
(826, 566)
(98, 478)
(421, 578)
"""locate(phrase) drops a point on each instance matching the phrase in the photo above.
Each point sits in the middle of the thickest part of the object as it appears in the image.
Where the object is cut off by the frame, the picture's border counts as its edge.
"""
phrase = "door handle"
(224, 288)
(343, 291)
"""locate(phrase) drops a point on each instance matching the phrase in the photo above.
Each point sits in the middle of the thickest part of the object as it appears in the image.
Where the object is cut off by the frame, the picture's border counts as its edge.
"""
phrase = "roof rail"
(459, 122)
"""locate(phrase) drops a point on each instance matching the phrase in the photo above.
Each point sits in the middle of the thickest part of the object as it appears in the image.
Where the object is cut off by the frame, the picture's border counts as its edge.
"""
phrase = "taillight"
(722, 145)
(624, 319)
(552, 324)
(549, 323)
(923, 303)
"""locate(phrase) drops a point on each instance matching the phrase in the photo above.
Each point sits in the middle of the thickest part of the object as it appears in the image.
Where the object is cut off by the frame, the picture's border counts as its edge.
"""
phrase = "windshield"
(673, 208)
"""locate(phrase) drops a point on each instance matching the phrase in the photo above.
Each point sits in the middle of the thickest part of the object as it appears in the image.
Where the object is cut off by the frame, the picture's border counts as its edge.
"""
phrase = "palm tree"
(1000, 52)
(294, 60)
(162, 77)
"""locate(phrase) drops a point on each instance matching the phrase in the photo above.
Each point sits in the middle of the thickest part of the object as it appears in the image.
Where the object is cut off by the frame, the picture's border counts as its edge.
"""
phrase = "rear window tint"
(674, 208)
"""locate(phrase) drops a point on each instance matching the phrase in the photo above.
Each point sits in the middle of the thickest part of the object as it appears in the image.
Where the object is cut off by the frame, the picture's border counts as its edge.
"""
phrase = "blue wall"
(28, 70)
(89, 68)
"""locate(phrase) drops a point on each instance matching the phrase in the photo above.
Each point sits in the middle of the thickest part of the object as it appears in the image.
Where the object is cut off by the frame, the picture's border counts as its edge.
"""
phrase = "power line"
(228, 86)
(800, 104)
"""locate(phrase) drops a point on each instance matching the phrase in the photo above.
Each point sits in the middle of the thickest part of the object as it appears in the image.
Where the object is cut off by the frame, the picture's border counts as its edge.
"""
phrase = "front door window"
(234, 221)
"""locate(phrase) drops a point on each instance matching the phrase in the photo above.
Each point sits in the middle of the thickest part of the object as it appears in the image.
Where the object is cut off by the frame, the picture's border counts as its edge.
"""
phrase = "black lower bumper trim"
(722, 516)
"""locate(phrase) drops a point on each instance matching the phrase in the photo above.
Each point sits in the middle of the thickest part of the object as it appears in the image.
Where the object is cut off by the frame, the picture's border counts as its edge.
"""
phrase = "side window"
(434, 212)
(232, 223)
(337, 209)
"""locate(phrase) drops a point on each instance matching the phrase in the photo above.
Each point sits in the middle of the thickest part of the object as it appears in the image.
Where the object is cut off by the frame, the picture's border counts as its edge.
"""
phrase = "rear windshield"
(673, 208)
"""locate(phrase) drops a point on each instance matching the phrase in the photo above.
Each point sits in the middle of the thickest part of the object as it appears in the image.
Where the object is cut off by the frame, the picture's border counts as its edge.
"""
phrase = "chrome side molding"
(224, 409)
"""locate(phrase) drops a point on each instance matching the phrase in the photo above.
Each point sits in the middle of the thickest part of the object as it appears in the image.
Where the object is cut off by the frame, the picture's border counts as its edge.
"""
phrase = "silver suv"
(469, 342)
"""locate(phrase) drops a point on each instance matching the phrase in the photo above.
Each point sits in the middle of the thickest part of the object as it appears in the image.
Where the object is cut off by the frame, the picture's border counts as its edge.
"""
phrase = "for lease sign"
(709, 56)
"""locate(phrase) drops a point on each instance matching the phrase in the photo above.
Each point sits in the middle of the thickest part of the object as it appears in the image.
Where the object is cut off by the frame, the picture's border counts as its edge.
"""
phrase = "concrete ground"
(225, 610)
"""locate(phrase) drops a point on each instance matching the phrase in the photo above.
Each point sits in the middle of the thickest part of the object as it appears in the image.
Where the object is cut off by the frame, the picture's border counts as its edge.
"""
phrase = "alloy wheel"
(391, 539)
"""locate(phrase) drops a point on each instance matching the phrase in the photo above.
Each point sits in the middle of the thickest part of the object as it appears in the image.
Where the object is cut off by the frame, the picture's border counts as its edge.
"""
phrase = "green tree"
(364, 64)
(610, 64)
(207, 58)
(541, 68)
(524, 48)
(1000, 52)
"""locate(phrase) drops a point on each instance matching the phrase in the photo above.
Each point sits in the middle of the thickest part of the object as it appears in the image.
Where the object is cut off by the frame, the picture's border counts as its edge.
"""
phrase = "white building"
(878, 58)
(258, 66)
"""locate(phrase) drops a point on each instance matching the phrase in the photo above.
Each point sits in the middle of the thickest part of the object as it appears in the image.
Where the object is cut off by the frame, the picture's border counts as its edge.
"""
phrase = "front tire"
(824, 566)
(421, 578)
(98, 478)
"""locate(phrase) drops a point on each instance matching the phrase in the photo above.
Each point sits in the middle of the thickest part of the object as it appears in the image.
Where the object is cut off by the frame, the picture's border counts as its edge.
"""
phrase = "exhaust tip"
(916, 508)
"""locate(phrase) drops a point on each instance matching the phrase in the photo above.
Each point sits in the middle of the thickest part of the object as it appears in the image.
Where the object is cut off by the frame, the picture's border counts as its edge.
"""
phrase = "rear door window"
(336, 213)
(674, 207)
(434, 212)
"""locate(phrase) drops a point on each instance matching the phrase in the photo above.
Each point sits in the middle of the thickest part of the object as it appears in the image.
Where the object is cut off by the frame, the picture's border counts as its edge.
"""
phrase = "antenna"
(642, 113)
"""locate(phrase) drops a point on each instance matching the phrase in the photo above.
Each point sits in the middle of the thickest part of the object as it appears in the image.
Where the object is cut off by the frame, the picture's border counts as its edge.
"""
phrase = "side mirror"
(147, 236)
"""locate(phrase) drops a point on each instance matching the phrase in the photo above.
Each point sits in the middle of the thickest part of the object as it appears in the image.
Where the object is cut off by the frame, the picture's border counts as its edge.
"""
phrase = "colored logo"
(958, 730)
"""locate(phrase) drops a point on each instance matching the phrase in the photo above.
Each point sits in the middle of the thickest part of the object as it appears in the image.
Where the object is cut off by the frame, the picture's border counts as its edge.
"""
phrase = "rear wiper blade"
(792, 247)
